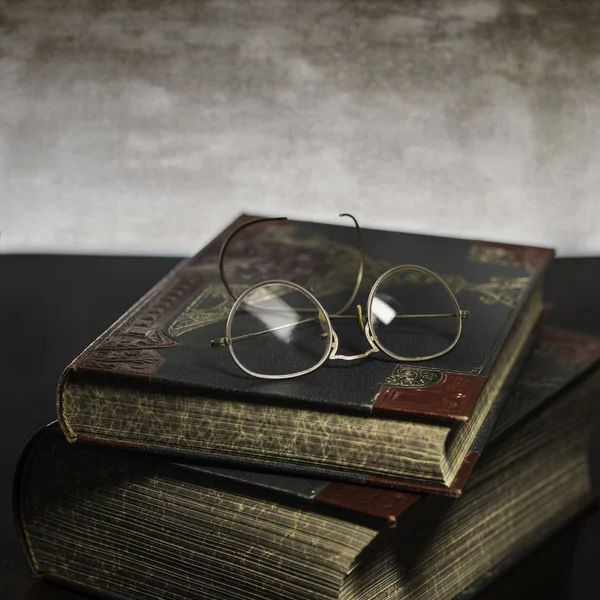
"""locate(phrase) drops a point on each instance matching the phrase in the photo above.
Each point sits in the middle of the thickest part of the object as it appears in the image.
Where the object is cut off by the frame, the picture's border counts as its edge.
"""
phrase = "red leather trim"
(99, 441)
(455, 490)
(524, 256)
(452, 399)
(389, 505)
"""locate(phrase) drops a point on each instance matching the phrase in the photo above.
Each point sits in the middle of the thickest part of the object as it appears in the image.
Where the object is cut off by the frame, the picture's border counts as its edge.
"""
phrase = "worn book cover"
(153, 382)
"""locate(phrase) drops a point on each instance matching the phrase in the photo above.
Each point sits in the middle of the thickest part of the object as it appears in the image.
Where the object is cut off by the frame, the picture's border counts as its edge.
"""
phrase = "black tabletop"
(53, 306)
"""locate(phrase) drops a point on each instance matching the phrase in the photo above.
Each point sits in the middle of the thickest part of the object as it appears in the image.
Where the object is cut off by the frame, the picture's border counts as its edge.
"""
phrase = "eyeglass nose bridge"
(364, 327)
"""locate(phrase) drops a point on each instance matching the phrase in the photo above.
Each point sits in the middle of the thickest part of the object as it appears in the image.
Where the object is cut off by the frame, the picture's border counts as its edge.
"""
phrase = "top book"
(154, 382)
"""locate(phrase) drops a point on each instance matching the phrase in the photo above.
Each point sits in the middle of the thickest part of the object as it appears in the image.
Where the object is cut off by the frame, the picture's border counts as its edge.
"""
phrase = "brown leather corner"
(412, 487)
(388, 505)
(525, 257)
(452, 399)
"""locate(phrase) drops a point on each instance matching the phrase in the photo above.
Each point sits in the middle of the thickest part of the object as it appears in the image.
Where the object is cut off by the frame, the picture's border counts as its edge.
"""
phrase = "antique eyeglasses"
(278, 329)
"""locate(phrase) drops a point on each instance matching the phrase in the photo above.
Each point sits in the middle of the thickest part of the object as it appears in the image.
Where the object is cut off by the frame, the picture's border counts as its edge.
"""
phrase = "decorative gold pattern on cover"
(132, 347)
(493, 255)
(322, 265)
(211, 305)
(499, 290)
(404, 376)
(342, 260)
(510, 255)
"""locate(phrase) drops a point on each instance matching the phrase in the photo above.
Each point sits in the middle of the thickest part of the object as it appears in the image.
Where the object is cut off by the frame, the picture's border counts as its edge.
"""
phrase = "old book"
(127, 524)
(153, 381)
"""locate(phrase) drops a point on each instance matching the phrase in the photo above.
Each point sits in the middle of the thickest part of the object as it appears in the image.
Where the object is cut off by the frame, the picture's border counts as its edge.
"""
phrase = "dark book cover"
(161, 346)
(164, 339)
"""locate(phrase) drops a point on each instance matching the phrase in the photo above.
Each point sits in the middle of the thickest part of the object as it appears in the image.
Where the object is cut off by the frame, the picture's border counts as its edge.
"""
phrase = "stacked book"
(308, 411)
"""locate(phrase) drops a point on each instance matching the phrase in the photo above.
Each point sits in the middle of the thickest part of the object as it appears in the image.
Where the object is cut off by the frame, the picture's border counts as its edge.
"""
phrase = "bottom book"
(122, 524)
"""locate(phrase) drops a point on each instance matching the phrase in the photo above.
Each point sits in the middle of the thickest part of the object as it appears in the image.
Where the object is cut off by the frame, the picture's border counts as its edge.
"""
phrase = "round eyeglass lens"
(413, 314)
(279, 330)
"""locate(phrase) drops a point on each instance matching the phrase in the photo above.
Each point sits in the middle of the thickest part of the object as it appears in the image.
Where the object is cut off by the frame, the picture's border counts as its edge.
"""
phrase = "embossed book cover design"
(153, 382)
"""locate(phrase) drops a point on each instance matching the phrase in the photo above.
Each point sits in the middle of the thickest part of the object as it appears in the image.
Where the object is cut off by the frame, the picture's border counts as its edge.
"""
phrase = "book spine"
(79, 364)
(70, 434)
(17, 494)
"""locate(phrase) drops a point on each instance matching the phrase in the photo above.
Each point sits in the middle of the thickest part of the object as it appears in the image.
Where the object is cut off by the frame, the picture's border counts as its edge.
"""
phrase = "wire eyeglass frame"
(364, 322)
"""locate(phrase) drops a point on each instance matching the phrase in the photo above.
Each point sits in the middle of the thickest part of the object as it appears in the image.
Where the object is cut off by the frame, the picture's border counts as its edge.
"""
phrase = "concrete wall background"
(145, 127)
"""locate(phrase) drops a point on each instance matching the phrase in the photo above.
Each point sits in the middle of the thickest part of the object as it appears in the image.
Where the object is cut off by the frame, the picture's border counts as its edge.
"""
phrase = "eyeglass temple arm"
(361, 267)
(229, 239)
(225, 341)
(243, 226)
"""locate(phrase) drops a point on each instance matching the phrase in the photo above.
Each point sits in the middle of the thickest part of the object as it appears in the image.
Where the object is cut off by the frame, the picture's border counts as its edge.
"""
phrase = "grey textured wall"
(145, 127)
